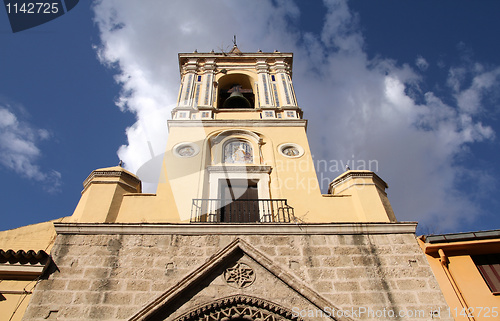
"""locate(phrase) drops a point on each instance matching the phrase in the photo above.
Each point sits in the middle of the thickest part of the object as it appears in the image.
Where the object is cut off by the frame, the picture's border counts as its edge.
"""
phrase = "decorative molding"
(239, 169)
(237, 306)
(235, 229)
(352, 174)
(238, 123)
(110, 173)
(216, 139)
(132, 189)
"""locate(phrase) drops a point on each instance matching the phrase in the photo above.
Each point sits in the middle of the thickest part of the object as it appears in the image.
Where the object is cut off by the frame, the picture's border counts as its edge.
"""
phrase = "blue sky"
(414, 85)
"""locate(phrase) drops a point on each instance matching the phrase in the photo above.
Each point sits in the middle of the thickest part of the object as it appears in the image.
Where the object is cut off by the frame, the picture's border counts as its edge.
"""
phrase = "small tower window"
(238, 152)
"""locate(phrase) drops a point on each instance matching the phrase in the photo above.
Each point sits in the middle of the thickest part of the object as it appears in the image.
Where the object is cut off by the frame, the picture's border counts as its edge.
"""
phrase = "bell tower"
(238, 151)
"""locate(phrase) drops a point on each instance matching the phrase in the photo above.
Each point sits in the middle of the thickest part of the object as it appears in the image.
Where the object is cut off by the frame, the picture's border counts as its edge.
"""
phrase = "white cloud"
(355, 106)
(421, 63)
(19, 151)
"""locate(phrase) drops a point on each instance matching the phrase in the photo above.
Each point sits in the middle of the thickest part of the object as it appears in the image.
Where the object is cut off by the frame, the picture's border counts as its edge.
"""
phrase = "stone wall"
(115, 276)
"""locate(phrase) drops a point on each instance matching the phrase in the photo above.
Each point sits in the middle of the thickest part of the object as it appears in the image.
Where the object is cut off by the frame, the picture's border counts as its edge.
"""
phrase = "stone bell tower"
(238, 228)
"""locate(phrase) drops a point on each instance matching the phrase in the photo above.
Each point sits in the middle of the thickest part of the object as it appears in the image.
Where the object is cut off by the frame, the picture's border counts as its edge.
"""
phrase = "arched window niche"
(236, 147)
(237, 151)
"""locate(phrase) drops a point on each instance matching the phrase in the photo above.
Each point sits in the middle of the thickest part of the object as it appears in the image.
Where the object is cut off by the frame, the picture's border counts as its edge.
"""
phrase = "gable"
(235, 280)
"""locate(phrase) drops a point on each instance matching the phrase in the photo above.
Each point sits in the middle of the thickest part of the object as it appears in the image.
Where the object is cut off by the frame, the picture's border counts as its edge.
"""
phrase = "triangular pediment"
(238, 278)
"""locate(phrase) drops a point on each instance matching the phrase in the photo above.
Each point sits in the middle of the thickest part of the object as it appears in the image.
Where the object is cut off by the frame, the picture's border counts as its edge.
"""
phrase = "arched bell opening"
(235, 91)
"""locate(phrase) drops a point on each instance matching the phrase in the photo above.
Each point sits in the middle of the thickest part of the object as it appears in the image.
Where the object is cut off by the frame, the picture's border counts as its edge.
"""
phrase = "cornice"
(235, 229)
(239, 169)
(351, 174)
(110, 173)
(238, 123)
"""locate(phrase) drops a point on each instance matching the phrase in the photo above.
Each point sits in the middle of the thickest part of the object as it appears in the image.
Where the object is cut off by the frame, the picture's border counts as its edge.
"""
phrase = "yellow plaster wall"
(35, 237)
(13, 306)
(294, 179)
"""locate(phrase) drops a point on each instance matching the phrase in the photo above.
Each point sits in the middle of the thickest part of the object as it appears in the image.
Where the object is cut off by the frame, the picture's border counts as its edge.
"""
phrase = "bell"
(236, 99)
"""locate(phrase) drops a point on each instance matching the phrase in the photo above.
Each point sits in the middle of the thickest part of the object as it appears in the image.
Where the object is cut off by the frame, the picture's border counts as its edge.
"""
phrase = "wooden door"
(239, 201)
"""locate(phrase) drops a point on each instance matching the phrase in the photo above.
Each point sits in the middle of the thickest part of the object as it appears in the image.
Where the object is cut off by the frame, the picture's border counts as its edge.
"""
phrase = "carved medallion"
(291, 150)
(186, 149)
(240, 275)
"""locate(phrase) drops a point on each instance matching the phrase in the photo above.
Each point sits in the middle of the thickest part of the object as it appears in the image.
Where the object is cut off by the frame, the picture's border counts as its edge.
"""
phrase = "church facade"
(238, 228)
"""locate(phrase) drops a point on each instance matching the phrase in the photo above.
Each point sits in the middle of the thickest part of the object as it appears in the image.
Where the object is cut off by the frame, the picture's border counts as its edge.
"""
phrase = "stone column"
(207, 90)
(284, 84)
(187, 85)
(264, 87)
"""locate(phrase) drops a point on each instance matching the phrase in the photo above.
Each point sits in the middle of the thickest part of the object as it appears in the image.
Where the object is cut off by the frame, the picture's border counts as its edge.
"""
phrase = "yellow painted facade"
(270, 123)
(464, 288)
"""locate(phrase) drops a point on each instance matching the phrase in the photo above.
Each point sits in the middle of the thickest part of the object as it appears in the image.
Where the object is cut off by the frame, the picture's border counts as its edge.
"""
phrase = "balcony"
(241, 211)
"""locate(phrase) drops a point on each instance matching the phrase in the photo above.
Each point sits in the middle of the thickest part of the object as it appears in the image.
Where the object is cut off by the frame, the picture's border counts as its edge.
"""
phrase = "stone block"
(125, 312)
(352, 286)
(342, 300)
(374, 284)
(288, 251)
(318, 251)
(268, 250)
(53, 296)
(52, 283)
(71, 312)
(278, 240)
(403, 298)
(117, 298)
(365, 260)
(138, 285)
(78, 285)
(87, 298)
(323, 286)
(336, 261)
(101, 312)
(412, 284)
(142, 298)
(368, 299)
(348, 250)
(354, 273)
(97, 272)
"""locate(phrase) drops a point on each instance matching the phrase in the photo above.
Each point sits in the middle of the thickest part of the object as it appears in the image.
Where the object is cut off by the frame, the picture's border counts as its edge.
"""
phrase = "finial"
(195, 51)
(234, 40)
(259, 50)
(120, 163)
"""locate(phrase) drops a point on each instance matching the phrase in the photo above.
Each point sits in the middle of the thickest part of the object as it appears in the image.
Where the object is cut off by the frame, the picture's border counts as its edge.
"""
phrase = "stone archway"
(238, 308)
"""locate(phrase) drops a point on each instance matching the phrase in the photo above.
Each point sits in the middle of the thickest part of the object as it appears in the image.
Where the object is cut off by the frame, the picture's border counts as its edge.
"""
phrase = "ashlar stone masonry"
(262, 272)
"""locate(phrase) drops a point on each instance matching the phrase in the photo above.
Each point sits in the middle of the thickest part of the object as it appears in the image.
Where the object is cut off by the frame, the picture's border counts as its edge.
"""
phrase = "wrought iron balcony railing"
(241, 211)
